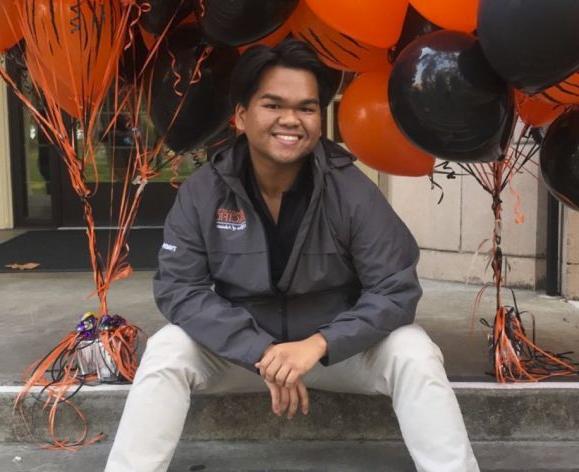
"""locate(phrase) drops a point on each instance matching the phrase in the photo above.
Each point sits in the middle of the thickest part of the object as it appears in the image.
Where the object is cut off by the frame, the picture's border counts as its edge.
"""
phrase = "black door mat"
(67, 250)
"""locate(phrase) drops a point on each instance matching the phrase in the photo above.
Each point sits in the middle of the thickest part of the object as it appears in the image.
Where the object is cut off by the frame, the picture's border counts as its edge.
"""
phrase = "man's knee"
(171, 348)
(408, 343)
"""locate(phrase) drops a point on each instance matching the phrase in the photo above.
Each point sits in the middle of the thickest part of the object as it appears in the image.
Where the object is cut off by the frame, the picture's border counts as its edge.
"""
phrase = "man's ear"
(240, 117)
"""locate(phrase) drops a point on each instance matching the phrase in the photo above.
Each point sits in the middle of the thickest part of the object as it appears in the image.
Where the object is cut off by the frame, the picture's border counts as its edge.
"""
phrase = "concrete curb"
(492, 412)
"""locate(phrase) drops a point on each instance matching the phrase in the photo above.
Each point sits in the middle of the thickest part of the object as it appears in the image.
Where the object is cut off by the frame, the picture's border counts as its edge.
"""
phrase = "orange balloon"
(334, 48)
(458, 15)
(47, 81)
(79, 42)
(565, 92)
(10, 32)
(368, 129)
(272, 39)
(535, 111)
(375, 22)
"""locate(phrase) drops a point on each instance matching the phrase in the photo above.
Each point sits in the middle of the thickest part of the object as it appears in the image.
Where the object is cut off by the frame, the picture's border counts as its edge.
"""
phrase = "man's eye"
(307, 110)
(272, 106)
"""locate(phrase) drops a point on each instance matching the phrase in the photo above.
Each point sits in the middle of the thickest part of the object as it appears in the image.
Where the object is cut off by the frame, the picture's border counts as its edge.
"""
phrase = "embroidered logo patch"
(169, 247)
(231, 220)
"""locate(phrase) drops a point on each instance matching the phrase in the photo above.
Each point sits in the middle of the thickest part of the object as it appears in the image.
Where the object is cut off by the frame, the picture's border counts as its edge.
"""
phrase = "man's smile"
(287, 138)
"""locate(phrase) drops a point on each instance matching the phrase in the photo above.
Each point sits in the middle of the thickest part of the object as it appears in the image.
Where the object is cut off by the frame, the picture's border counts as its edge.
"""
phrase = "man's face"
(283, 118)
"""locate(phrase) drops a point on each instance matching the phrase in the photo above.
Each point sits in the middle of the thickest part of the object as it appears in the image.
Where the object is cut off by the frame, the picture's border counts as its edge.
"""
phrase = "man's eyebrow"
(271, 96)
(277, 98)
(310, 101)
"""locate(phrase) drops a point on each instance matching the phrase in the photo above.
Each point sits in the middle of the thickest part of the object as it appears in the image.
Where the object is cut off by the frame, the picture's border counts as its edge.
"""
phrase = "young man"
(284, 268)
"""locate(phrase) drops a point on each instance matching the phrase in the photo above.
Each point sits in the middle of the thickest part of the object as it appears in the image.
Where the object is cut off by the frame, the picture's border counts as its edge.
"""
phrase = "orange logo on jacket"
(232, 220)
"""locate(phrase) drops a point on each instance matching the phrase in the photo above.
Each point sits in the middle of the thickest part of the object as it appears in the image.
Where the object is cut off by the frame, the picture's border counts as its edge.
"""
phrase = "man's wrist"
(321, 343)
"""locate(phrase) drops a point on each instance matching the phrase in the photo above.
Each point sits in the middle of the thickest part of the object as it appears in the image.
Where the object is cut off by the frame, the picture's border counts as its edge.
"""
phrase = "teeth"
(285, 137)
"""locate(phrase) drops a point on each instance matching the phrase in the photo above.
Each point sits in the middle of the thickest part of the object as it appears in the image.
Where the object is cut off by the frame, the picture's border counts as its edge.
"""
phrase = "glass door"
(33, 161)
(113, 160)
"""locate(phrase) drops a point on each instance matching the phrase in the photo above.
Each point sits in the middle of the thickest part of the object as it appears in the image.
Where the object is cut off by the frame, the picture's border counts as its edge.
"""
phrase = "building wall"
(6, 220)
(455, 236)
(570, 254)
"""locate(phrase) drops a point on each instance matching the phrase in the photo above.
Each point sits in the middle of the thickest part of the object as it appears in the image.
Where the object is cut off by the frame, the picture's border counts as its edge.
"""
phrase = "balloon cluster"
(433, 77)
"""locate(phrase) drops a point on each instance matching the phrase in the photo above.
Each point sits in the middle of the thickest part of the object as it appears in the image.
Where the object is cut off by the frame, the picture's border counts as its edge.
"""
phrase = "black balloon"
(532, 44)
(560, 158)
(447, 100)
(133, 59)
(238, 22)
(415, 25)
(160, 13)
(205, 107)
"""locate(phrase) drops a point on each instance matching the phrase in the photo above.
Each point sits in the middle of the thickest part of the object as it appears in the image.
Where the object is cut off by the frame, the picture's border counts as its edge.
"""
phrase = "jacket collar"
(327, 155)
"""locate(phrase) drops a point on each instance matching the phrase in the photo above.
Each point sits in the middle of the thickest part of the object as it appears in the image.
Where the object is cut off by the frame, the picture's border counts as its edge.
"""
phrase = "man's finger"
(274, 391)
(270, 372)
(304, 397)
(265, 364)
(284, 400)
(291, 380)
(294, 401)
(266, 360)
(281, 376)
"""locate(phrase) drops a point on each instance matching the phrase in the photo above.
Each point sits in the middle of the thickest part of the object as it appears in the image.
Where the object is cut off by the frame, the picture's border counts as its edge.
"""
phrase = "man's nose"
(289, 117)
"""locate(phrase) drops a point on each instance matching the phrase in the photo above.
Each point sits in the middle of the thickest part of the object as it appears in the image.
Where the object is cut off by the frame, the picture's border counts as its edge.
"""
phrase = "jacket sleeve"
(384, 254)
(183, 292)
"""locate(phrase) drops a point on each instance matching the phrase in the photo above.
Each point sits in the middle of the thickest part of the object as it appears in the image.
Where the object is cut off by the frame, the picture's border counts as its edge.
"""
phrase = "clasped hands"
(282, 367)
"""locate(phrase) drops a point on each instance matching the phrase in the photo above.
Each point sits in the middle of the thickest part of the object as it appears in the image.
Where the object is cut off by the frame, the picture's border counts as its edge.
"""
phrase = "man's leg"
(172, 368)
(408, 367)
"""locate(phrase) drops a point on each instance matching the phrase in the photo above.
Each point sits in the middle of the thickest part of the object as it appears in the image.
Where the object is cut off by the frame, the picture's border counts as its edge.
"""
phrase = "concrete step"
(299, 456)
(492, 412)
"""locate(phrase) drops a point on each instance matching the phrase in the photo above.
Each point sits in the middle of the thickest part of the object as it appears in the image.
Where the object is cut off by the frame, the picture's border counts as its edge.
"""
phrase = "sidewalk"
(299, 456)
(38, 309)
(513, 428)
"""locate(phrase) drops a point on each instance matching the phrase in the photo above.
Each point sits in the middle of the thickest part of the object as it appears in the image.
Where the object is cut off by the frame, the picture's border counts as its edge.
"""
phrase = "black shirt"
(281, 236)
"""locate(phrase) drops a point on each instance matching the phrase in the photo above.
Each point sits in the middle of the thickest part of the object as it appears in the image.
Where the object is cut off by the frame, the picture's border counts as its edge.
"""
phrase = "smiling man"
(283, 269)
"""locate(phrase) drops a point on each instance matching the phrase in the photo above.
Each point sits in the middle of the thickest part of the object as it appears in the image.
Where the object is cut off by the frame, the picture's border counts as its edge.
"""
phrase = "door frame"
(18, 162)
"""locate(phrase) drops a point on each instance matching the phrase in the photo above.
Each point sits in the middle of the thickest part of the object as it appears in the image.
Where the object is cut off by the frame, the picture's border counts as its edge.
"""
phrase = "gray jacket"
(351, 275)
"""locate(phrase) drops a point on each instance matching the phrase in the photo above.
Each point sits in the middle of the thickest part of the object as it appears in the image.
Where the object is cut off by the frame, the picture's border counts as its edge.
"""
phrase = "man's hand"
(289, 399)
(284, 364)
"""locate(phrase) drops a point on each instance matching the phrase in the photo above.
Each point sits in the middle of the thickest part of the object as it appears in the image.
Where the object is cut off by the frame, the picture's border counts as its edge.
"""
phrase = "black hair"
(290, 53)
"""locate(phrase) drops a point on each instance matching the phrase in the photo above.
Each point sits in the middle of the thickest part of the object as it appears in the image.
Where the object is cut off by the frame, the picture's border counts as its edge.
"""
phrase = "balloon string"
(119, 252)
(176, 74)
(59, 375)
(53, 124)
(509, 341)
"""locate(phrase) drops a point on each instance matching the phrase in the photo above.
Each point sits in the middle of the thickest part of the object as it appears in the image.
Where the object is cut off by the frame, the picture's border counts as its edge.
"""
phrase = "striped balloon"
(10, 32)
(336, 49)
(565, 92)
(78, 42)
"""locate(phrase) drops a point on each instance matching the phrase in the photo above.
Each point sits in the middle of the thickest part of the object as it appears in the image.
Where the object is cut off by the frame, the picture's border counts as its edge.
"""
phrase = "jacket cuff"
(325, 360)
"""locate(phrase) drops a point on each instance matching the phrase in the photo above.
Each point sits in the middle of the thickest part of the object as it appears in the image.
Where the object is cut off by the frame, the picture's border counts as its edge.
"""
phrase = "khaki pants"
(407, 366)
